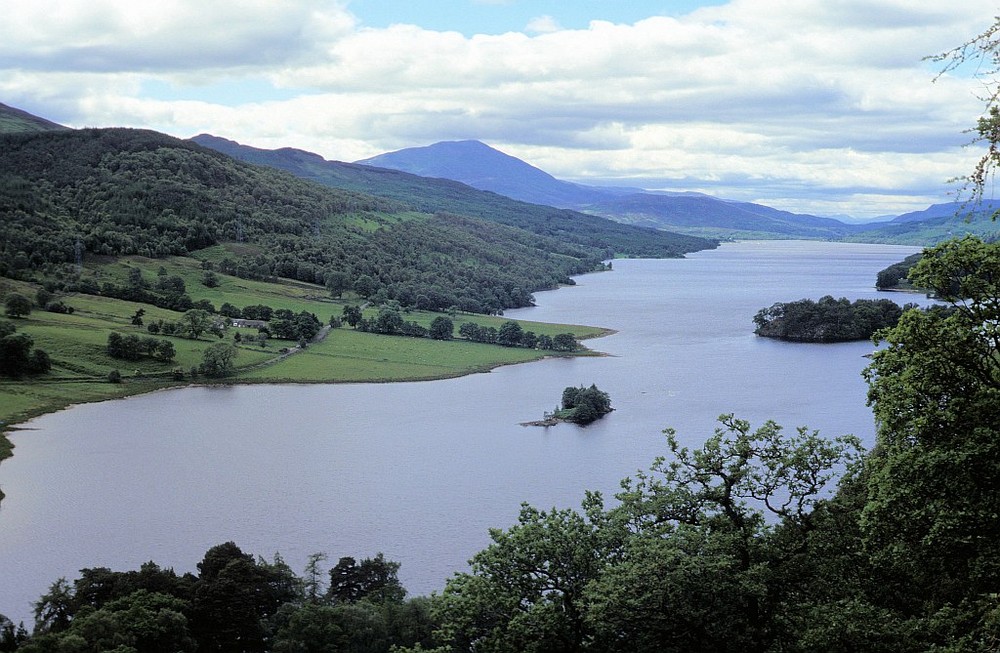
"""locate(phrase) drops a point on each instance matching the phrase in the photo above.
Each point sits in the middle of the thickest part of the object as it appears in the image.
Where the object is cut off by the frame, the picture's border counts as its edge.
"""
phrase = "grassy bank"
(77, 344)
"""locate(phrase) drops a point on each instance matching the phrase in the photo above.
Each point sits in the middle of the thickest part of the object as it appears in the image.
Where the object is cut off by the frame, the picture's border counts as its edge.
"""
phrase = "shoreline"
(150, 386)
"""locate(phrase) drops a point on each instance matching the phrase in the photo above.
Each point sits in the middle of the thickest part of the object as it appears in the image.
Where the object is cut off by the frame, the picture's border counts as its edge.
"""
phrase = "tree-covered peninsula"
(827, 320)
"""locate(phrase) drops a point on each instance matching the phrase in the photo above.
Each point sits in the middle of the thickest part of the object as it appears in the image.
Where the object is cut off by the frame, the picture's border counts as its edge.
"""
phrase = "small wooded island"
(579, 405)
(827, 320)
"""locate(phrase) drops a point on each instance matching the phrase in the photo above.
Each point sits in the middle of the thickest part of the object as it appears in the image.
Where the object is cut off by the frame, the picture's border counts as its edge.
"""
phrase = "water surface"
(420, 471)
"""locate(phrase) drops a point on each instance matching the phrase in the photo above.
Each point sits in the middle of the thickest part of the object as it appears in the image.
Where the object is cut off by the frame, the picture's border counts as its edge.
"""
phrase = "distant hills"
(435, 195)
(435, 244)
(483, 167)
(470, 178)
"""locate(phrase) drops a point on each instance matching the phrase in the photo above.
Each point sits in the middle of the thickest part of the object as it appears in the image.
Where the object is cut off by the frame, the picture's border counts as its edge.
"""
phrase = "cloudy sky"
(820, 106)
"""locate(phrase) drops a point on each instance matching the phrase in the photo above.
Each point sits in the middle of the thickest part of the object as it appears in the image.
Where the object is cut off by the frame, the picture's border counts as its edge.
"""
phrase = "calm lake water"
(420, 471)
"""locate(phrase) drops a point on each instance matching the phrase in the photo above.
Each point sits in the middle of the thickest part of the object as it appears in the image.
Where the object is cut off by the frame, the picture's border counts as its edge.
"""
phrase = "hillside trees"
(932, 509)
(17, 305)
(133, 192)
(131, 347)
(18, 354)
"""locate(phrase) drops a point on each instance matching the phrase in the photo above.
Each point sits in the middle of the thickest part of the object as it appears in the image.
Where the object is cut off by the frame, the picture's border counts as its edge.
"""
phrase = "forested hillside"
(429, 195)
(118, 192)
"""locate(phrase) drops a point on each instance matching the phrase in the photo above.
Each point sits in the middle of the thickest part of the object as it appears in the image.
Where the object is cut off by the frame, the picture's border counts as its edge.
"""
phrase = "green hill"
(16, 121)
(935, 225)
(115, 192)
(431, 195)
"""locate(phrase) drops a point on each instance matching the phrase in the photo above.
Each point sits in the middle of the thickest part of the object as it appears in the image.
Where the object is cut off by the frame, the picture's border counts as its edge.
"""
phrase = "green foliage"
(234, 603)
(895, 276)
(195, 322)
(442, 328)
(11, 638)
(131, 347)
(18, 355)
(289, 326)
(935, 390)
(210, 279)
(584, 405)
(687, 561)
(373, 579)
(828, 320)
(17, 305)
(218, 360)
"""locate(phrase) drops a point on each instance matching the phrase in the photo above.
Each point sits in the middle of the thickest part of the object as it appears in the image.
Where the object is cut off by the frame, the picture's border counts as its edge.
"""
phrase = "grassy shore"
(77, 344)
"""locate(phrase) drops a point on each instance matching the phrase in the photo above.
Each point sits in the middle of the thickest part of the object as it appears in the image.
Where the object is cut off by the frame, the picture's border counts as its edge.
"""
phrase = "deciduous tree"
(17, 305)
(218, 360)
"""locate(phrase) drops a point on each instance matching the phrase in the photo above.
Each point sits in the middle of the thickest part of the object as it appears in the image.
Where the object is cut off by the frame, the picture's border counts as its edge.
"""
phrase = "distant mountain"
(17, 121)
(708, 215)
(483, 167)
(434, 195)
(933, 225)
(947, 210)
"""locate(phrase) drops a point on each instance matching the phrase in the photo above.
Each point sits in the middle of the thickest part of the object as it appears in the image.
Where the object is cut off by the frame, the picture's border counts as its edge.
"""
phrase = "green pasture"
(348, 355)
(77, 342)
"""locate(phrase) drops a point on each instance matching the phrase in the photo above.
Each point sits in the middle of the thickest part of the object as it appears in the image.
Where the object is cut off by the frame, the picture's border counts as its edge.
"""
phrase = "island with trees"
(579, 405)
(827, 320)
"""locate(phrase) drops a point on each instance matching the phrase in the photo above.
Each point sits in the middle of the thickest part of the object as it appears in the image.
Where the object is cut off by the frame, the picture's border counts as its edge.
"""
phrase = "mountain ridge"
(438, 194)
(481, 166)
(690, 213)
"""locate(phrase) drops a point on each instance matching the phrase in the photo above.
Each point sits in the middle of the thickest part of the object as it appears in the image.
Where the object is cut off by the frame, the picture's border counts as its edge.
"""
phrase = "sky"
(814, 106)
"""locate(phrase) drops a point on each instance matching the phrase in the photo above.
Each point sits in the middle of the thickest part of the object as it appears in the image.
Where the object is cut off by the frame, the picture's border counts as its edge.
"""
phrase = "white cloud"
(816, 99)
(543, 25)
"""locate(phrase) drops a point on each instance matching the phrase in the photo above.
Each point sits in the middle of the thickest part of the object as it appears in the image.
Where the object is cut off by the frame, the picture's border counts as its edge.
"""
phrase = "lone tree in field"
(218, 360)
(17, 305)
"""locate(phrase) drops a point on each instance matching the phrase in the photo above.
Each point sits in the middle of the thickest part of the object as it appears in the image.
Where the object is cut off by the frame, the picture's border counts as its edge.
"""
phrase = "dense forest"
(760, 540)
(69, 195)
(436, 195)
(827, 320)
(896, 276)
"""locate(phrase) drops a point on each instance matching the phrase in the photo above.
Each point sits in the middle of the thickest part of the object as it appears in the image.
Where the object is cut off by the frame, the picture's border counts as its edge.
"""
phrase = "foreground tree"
(704, 553)
(932, 506)
(374, 579)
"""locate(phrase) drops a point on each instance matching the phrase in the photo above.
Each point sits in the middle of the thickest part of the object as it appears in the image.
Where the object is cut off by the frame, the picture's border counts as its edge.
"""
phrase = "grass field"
(77, 343)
